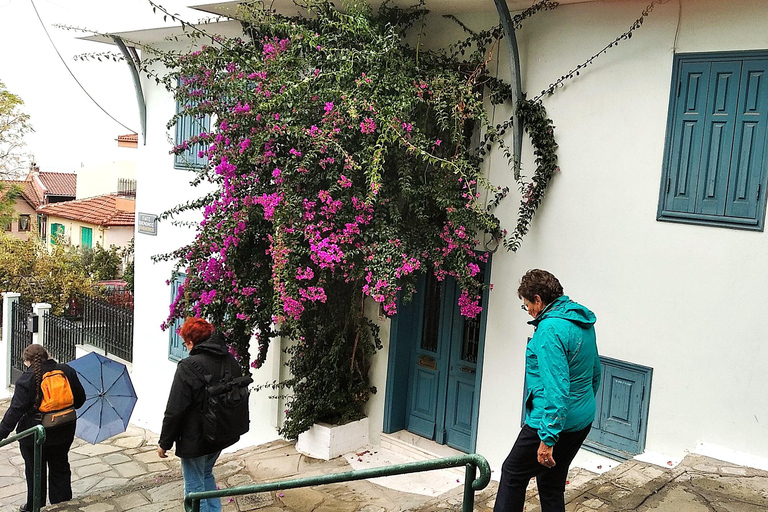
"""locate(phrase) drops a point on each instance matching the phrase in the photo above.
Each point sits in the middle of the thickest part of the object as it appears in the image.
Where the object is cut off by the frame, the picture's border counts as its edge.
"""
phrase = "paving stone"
(82, 485)
(13, 489)
(129, 469)
(115, 458)
(98, 507)
(129, 442)
(92, 469)
(156, 467)
(301, 499)
(95, 449)
(131, 501)
(734, 471)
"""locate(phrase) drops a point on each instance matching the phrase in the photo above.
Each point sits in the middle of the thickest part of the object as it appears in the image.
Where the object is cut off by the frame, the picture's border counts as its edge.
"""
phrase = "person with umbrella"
(24, 412)
(183, 423)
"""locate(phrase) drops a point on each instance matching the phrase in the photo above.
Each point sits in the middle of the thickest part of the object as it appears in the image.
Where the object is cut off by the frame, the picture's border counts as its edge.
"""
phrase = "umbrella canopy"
(109, 397)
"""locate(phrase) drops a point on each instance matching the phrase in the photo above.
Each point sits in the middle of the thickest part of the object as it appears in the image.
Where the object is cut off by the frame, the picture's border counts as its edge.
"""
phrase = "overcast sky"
(70, 130)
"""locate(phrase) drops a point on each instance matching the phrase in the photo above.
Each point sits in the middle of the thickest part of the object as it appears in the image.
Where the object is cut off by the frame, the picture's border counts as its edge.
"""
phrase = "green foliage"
(128, 257)
(8, 195)
(14, 125)
(28, 268)
(102, 264)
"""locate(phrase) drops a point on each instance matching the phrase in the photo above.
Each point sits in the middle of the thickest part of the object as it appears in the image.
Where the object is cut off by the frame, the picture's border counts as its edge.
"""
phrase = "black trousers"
(522, 464)
(55, 464)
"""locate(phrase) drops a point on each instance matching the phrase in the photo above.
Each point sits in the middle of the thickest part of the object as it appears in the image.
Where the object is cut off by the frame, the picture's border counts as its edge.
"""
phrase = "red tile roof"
(107, 210)
(28, 192)
(59, 183)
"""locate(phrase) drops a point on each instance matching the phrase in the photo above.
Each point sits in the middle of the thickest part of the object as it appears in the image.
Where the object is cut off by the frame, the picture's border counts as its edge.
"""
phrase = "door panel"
(442, 392)
(622, 409)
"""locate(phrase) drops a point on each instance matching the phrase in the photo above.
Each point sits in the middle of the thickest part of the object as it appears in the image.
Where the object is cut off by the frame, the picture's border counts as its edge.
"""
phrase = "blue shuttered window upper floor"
(187, 127)
(715, 161)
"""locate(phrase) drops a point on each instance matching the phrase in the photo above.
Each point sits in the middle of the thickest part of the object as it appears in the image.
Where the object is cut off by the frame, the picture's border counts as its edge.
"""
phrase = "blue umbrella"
(109, 397)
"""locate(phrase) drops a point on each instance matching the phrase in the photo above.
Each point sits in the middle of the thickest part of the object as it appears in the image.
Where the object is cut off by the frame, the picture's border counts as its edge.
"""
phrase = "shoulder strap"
(206, 377)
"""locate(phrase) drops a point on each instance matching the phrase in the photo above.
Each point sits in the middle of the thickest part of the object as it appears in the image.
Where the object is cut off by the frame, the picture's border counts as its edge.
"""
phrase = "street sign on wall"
(147, 223)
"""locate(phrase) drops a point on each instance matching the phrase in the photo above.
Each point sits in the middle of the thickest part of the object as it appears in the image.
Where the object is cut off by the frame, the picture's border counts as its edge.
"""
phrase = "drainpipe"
(132, 59)
(514, 65)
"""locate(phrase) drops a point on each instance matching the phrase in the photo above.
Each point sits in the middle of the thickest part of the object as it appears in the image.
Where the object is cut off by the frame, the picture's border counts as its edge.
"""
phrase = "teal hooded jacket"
(562, 370)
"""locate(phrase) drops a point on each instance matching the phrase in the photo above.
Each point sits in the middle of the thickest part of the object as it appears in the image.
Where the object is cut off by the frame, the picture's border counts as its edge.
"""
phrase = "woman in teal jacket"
(562, 376)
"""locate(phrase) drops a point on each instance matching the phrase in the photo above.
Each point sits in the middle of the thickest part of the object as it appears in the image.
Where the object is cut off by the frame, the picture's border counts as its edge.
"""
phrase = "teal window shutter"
(176, 349)
(716, 136)
(623, 402)
(57, 232)
(86, 237)
(188, 126)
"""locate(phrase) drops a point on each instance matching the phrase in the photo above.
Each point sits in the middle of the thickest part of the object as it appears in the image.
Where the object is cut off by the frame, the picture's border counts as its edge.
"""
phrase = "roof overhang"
(228, 9)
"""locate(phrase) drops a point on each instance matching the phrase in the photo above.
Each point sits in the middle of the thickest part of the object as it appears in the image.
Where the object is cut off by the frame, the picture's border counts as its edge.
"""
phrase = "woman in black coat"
(183, 420)
(23, 414)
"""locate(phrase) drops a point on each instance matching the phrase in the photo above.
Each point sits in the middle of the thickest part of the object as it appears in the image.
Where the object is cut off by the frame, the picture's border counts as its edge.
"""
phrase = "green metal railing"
(472, 462)
(39, 432)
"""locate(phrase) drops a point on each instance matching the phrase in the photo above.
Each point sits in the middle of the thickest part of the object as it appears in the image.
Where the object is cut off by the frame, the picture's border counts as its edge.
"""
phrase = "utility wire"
(70, 71)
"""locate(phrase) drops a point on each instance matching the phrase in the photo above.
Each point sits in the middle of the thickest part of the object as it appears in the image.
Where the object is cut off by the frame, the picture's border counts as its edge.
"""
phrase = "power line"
(70, 71)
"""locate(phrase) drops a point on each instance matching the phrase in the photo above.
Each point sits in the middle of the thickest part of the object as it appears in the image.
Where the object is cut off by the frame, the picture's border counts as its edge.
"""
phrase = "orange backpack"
(58, 400)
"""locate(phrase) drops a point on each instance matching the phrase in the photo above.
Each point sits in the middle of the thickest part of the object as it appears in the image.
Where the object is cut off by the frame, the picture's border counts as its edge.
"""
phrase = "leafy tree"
(102, 264)
(14, 125)
(128, 257)
(28, 268)
(8, 195)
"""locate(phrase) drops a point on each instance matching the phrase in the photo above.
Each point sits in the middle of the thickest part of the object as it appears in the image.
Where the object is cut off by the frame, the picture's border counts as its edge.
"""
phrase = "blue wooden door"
(426, 395)
(622, 409)
(443, 399)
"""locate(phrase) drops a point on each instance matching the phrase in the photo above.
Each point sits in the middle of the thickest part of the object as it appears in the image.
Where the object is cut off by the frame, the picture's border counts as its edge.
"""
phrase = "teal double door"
(435, 367)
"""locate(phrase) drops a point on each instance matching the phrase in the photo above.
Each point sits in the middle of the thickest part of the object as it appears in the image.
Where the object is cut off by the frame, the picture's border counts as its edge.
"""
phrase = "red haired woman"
(183, 421)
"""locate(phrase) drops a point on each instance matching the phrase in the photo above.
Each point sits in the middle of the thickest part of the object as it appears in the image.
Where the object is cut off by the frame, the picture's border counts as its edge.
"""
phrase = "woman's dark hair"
(542, 283)
(196, 330)
(36, 355)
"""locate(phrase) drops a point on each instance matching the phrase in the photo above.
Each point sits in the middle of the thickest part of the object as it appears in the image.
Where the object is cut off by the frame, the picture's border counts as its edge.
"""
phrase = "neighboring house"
(38, 189)
(656, 223)
(115, 177)
(104, 220)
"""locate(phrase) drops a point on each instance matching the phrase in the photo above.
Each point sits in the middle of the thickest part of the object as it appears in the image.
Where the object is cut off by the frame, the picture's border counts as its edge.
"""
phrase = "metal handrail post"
(39, 432)
(468, 503)
(192, 500)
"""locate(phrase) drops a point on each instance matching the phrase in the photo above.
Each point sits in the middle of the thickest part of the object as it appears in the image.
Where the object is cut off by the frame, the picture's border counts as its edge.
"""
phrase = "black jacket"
(23, 410)
(183, 420)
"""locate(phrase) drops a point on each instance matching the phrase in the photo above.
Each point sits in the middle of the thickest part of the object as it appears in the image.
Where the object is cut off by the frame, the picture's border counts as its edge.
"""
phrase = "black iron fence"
(61, 336)
(108, 327)
(21, 337)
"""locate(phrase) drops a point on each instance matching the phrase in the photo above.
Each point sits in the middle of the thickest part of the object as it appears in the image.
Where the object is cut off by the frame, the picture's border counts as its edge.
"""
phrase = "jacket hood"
(215, 345)
(566, 309)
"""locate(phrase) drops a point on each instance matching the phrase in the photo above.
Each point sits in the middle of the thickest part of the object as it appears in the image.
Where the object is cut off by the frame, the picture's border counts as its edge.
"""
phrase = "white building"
(674, 273)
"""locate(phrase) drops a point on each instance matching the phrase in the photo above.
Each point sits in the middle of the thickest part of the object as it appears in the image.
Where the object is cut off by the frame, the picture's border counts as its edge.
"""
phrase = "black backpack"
(225, 403)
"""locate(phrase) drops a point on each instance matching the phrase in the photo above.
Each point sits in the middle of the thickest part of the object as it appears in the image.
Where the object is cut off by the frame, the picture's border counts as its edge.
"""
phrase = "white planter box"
(323, 441)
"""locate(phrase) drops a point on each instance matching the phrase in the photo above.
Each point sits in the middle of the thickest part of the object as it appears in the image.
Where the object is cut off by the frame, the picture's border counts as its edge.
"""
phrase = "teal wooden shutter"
(188, 126)
(86, 237)
(622, 409)
(720, 121)
(686, 137)
(745, 179)
(57, 230)
(176, 349)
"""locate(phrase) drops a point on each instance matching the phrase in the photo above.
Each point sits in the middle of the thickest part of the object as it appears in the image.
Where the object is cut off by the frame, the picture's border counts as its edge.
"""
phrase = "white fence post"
(9, 299)
(40, 309)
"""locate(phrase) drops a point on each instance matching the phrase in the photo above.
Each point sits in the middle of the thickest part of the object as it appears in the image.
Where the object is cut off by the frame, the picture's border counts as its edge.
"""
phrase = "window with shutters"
(86, 237)
(57, 233)
(176, 349)
(714, 162)
(188, 126)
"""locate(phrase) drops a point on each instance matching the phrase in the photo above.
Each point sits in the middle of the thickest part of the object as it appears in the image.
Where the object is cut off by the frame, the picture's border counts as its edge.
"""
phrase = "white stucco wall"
(684, 300)
(168, 187)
